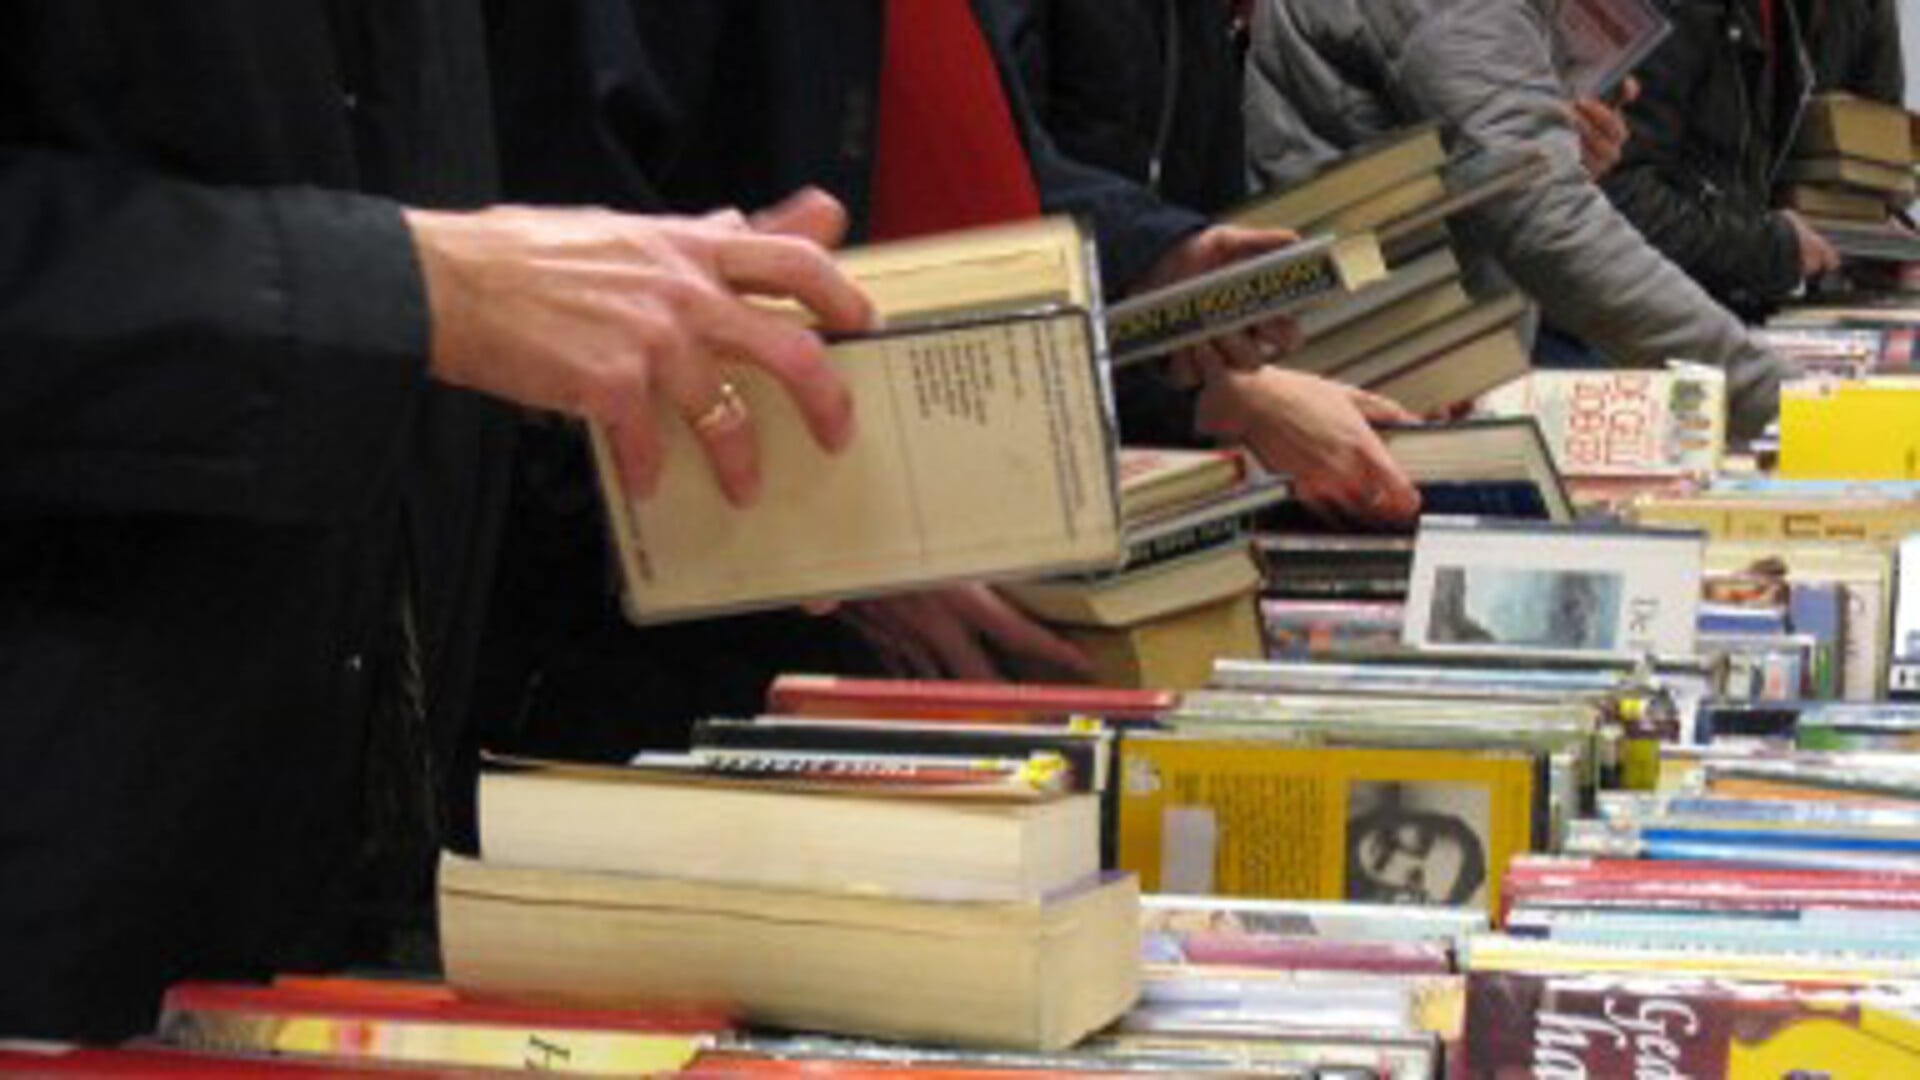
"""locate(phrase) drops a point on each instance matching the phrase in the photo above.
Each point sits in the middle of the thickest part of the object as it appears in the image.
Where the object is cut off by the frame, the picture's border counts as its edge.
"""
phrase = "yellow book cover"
(1246, 817)
(1851, 430)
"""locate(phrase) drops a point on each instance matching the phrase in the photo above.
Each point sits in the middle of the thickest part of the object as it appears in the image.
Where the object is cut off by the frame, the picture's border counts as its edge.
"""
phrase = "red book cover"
(1521, 1026)
(1618, 883)
(383, 999)
(20, 1060)
(907, 699)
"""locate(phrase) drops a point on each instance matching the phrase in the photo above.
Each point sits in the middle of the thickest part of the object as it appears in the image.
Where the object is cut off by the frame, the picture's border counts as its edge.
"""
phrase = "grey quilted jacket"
(1326, 75)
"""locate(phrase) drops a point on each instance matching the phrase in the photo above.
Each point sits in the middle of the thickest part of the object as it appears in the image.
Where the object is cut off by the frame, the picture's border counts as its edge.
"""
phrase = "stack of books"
(1185, 592)
(881, 892)
(1853, 163)
(1417, 336)
(1327, 591)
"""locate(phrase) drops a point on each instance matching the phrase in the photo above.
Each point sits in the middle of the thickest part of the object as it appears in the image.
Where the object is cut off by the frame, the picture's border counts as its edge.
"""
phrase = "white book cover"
(1497, 586)
(1624, 422)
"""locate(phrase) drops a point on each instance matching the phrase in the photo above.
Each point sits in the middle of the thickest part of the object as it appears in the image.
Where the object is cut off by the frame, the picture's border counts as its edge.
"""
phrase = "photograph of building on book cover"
(1417, 842)
(1551, 609)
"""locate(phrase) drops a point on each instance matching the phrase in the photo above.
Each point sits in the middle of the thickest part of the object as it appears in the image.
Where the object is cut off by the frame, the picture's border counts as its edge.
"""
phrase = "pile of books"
(797, 885)
(1853, 164)
(1185, 591)
(1418, 336)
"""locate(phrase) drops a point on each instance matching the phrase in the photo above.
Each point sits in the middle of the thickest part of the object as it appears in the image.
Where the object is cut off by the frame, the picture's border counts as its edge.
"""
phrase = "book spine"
(1217, 303)
(411, 1042)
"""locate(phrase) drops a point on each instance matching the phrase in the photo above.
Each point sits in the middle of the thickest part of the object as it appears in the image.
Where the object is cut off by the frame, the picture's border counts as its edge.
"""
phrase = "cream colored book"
(984, 445)
(1030, 975)
(636, 821)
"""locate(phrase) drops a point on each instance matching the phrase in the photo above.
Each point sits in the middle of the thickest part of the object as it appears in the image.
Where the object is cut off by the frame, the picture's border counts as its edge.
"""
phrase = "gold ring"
(724, 413)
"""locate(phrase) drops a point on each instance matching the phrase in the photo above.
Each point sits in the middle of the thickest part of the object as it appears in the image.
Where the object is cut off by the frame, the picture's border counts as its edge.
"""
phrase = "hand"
(1319, 433)
(944, 634)
(1210, 249)
(1816, 255)
(596, 314)
(1603, 130)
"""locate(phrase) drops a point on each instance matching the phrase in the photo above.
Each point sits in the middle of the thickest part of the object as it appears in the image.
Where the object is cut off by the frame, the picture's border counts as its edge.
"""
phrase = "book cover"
(1359, 174)
(1522, 1025)
(1824, 426)
(1496, 586)
(1598, 43)
(1255, 818)
(1615, 423)
(1010, 397)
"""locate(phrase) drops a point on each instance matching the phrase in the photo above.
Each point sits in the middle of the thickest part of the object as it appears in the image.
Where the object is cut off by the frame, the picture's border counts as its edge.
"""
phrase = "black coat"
(1147, 89)
(215, 430)
(1711, 128)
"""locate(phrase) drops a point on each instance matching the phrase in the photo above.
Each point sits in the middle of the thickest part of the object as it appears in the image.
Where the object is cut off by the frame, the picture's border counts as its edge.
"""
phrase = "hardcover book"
(1619, 423)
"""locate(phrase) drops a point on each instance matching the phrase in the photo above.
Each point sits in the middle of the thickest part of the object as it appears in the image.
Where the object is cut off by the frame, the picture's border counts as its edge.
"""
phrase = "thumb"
(810, 214)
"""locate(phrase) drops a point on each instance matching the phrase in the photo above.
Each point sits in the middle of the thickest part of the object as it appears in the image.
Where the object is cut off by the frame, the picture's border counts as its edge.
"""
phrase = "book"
(1260, 818)
(1026, 975)
(1084, 748)
(1487, 585)
(1472, 179)
(1011, 394)
(1155, 480)
(1835, 202)
(1903, 675)
(1298, 629)
(1174, 651)
(1881, 239)
(1620, 423)
(1860, 573)
(352, 1021)
(1184, 919)
(1411, 297)
(1598, 43)
(1017, 703)
(1846, 125)
(1315, 270)
(1786, 515)
(1435, 348)
(1220, 520)
(1822, 425)
(1853, 172)
(636, 821)
(1522, 1024)
(1457, 376)
(1360, 174)
(1133, 598)
(1490, 468)
(1396, 202)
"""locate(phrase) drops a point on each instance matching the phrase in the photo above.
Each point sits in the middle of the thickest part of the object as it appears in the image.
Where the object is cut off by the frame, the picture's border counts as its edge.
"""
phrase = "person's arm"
(178, 348)
(1484, 69)
(1729, 245)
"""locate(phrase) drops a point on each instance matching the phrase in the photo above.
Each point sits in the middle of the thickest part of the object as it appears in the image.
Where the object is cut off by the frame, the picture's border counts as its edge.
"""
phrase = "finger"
(1629, 92)
(792, 354)
(636, 450)
(1239, 352)
(1381, 410)
(715, 411)
(1234, 242)
(727, 218)
(809, 214)
(1013, 632)
(1392, 495)
(955, 644)
(1277, 337)
(788, 266)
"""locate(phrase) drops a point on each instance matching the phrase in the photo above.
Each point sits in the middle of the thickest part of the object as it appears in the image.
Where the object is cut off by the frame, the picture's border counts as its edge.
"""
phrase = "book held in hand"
(984, 446)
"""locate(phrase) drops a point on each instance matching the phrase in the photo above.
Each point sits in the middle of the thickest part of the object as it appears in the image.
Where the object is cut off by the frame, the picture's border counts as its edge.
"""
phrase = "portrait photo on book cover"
(1547, 609)
(1417, 842)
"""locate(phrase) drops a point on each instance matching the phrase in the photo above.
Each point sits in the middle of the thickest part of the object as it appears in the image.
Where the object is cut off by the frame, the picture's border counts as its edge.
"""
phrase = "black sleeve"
(171, 347)
(1731, 246)
(1878, 70)
(1133, 226)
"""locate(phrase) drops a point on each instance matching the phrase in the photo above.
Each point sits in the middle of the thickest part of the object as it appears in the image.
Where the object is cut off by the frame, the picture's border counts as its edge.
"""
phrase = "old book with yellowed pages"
(984, 446)
(1035, 975)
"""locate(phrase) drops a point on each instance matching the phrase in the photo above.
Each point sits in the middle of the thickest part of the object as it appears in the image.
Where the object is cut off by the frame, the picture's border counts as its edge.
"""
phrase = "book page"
(983, 450)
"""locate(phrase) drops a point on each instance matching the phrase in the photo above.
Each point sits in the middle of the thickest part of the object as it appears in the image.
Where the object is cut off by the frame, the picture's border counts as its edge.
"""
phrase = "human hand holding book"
(1211, 249)
(598, 314)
